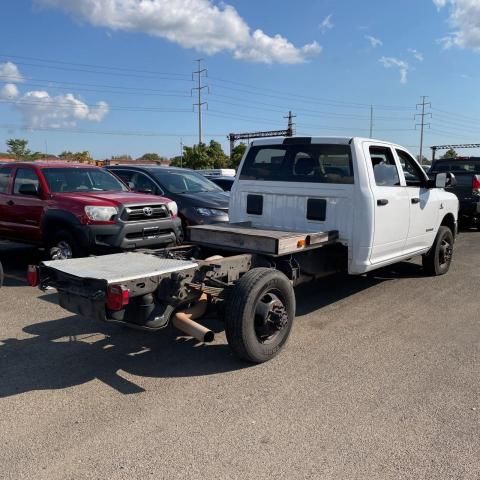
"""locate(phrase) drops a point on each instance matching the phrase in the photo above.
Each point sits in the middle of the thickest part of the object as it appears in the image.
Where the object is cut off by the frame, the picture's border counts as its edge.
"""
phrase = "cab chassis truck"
(300, 209)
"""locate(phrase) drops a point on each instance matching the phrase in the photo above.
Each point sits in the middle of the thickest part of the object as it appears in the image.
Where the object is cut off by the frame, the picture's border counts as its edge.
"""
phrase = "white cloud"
(374, 42)
(9, 73)
(418, 55)
(8, 92)
(197, 24)
(440, 3)
(326, 24)
(401, 65)
(464, 18)
(41, 110)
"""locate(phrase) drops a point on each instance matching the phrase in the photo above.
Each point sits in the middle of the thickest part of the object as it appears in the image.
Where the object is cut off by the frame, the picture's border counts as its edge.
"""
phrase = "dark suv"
(73, 210)
(199, 200)
(466, 188)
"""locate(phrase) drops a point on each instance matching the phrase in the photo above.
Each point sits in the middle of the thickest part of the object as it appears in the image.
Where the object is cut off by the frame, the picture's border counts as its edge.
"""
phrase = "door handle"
(10, 202)
(415, 200)
(382, 202)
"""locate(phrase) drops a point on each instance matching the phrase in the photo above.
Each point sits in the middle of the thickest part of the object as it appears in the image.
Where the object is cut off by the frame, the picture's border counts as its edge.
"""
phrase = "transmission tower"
(422, 124)
(200, 73)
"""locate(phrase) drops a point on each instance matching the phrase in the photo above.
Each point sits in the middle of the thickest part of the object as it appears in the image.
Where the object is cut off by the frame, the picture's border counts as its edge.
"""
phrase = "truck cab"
(374, 193)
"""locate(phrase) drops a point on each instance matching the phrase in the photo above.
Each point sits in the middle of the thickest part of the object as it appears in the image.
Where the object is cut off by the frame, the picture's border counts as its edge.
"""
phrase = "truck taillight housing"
(117, 297)
(476, 185)
(32, 275)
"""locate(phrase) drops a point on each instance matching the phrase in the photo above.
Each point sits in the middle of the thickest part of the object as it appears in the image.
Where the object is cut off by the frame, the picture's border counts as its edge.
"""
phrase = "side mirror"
(440, 180)
(28, 189)
(148, 191)
(445, 179)
(451, 180)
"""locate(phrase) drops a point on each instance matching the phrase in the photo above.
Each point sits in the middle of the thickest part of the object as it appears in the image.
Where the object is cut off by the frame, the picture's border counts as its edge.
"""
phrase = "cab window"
(384, 167)
(413, 176)
(24, 177)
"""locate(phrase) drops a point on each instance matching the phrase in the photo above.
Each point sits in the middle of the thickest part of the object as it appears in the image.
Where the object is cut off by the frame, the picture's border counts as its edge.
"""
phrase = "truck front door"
(391, 205)
(424, 205)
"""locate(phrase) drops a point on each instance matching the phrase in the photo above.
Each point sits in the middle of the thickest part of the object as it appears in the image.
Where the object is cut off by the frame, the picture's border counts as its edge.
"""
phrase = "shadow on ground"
(73, 350)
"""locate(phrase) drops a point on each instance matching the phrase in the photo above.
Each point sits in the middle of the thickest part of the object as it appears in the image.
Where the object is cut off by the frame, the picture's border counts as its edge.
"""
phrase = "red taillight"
(476, 184)
(117, 297)
(32, 275)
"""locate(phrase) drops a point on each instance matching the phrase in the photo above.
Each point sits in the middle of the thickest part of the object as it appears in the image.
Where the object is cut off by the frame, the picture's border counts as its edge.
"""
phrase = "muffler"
(184, 321)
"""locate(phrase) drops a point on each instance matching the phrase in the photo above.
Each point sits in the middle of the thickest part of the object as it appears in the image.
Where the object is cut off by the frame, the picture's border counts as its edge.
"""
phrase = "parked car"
(199, 200)
(73, 210)
(467, 188)
(225, 183)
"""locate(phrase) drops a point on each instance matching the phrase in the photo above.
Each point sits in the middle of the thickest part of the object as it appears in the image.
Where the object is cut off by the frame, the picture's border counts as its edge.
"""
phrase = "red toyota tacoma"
(74, 210)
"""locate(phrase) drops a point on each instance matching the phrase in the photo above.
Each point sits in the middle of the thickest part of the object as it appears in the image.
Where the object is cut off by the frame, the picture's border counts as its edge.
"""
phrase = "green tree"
(450, 153)
(150, 157)
(217, 156)
(66, 154)
(18, 148)
(237, 155)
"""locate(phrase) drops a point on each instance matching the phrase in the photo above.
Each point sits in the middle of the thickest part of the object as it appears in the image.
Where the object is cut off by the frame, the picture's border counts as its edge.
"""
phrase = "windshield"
(185, 182)
(318, 163)
(69, 180)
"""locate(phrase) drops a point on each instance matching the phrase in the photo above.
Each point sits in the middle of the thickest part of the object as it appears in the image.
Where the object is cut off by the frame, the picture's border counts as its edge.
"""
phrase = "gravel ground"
(380, 380)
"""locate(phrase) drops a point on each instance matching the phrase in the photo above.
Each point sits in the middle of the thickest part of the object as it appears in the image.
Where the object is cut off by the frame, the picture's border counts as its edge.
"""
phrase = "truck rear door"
(391, 204)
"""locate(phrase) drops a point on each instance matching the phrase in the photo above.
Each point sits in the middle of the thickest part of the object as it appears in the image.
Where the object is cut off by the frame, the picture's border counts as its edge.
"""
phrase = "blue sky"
(115, 77)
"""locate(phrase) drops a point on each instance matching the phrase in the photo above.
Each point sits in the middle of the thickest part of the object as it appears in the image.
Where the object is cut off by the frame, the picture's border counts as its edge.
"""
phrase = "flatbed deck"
(244, 237)
(120, 267)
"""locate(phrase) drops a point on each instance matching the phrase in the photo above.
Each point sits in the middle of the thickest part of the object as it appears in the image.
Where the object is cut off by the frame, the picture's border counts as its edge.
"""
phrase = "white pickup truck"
(301, 208)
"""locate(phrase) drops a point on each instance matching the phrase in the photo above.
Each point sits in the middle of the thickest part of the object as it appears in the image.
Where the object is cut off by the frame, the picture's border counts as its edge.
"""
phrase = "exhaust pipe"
(184, 321)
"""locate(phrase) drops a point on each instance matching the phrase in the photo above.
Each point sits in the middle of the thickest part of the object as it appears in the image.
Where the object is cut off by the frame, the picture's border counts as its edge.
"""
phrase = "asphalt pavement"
(380, 380)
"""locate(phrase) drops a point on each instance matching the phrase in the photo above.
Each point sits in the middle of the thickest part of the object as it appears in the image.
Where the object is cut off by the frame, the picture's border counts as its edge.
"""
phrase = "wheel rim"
(445, 252)
(61, 251)
(271, 317)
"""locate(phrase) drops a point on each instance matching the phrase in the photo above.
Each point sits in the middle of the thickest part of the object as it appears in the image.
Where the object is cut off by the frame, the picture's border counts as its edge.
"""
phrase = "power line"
(105, 132)
(99, 72)
(81, 106)
(89, 65)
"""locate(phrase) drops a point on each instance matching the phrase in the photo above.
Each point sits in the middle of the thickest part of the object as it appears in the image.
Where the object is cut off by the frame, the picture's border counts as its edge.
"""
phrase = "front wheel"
(437, 261)
(259, 314)
(64, 246)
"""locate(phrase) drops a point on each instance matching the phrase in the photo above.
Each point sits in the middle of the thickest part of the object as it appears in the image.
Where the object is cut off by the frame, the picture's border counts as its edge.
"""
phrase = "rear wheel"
(437, 261)
(1, 275)
(63, 246)
(259, 314)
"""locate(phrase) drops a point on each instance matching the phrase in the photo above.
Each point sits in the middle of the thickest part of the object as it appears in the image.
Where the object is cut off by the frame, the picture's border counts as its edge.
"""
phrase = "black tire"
(1, 275)
(437, 261)
(63, 245)
(259, 314)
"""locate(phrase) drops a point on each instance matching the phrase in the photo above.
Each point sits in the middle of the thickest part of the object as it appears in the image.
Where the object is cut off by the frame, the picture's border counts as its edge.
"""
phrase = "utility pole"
(181, 152)
(371, 121)
(201, 72)
(290, 130)
(422, 124)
